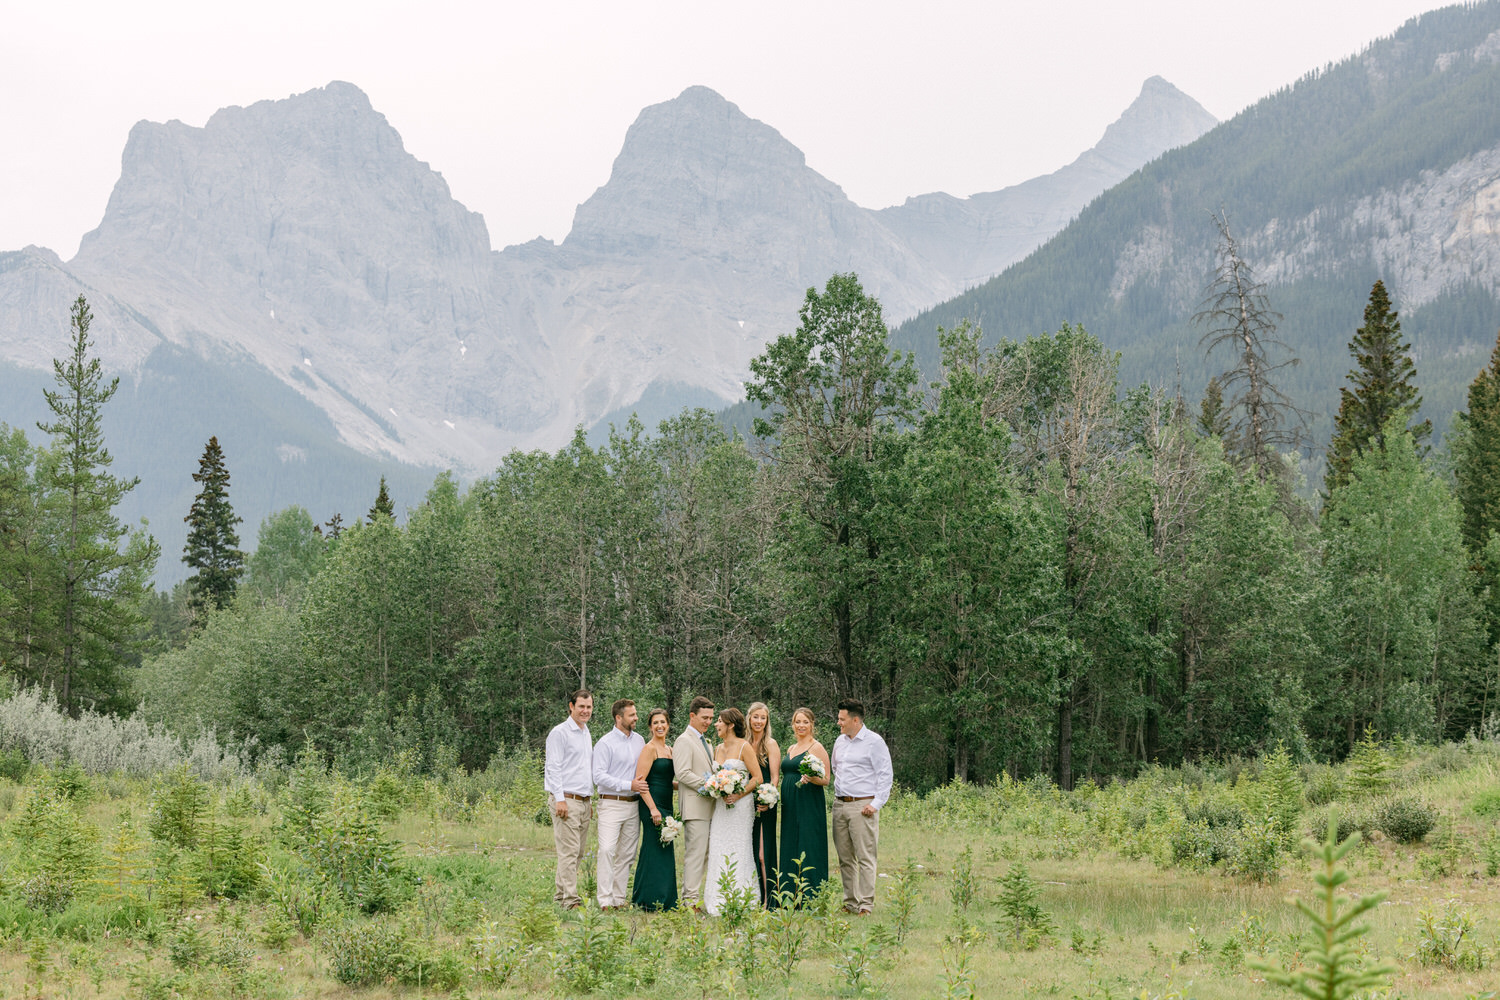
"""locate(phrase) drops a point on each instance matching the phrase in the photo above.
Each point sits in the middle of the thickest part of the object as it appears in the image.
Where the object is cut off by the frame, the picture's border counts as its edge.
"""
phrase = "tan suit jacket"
(691, 761)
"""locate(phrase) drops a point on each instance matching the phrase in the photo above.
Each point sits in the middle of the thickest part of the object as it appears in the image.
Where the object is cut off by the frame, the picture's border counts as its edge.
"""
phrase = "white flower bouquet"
(671, 829)
(809, 767)
(767, 794)
(724, 782)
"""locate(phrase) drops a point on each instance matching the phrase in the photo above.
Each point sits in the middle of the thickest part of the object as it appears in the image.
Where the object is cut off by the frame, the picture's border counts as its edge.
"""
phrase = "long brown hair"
(734, 719)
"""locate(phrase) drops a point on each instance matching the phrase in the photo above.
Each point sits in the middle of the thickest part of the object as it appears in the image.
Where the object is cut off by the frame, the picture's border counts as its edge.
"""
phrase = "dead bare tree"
(1238, 316)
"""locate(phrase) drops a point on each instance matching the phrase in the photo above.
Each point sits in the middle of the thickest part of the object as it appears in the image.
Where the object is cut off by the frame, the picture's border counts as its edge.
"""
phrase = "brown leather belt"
(854, 798)
(618, 798)
(574, 795)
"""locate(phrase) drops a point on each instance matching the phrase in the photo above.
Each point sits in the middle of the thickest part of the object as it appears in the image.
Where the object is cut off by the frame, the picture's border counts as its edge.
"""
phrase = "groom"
(693, 760)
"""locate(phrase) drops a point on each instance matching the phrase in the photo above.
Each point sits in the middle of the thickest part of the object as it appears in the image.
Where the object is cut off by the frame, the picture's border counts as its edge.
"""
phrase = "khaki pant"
(619, 836)
(856, 837)
(570, 836)
(694, 860)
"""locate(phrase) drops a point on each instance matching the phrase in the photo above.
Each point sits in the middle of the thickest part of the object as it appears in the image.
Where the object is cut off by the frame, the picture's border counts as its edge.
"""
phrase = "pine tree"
(383, 503)
(1212, 420)
(1382, 387)
(335, 526)
(213, 546)
(1477, 468)
(101, 588)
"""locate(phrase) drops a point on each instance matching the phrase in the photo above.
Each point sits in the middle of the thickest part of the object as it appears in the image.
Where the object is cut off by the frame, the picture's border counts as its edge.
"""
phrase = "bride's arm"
(747, 754)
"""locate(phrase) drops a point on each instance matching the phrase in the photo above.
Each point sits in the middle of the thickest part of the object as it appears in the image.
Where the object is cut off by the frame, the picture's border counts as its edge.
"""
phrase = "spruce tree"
(100, 588)
(1213, 421)
(383, 503)
(1477, 469)
(1382, 387)
(213, 546)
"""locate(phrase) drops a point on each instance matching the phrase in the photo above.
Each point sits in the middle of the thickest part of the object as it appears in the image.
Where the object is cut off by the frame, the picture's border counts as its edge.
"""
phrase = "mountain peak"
(1161, 117)
(684, 163)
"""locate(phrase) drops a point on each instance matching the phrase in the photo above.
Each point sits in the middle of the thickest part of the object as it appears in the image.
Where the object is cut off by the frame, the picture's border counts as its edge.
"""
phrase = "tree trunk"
(1064, 773)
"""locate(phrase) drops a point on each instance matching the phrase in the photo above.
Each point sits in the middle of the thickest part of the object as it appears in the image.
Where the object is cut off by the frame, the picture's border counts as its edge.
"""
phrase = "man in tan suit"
(693, 760)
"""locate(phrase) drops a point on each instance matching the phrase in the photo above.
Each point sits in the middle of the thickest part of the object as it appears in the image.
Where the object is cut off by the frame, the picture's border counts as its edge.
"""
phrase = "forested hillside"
(1027, 570)
(1381, 167)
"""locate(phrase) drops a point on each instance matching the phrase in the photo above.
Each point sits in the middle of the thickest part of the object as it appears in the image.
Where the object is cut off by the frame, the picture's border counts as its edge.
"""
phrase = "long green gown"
(656, 869)
(804, 829)
(763, 843)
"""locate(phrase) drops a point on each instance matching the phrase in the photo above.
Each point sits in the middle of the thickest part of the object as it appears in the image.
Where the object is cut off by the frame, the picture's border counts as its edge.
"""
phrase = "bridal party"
(751, 819)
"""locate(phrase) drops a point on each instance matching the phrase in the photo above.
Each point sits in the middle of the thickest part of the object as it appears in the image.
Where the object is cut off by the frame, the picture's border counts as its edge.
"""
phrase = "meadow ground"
(302, 884)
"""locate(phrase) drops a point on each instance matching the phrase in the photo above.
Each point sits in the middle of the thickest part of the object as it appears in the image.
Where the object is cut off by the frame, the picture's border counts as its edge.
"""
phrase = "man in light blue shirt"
(615, 758)
(862, 778)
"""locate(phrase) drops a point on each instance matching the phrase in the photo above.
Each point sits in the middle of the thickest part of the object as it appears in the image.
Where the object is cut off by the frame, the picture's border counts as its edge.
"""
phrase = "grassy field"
(298, 883)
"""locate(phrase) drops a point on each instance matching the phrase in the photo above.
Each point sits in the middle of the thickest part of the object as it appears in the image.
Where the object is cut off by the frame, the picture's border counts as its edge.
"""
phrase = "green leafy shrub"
(591, 952)
(964, 889)
(1216, 811)
(1256, 855)
(494, 955)
(1405, 819)
(305, 903)
(364, 952)
(1198, 846)
(1486, 803)
(1449, 938)
(14, 765)
(346, 847)
(1323, 784)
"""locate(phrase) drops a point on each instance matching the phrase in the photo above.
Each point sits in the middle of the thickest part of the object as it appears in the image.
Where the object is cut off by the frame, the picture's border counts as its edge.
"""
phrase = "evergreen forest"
(1022, 568)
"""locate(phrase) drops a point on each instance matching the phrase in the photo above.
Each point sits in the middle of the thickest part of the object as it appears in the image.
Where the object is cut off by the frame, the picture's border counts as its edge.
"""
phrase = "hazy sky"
(523, 106)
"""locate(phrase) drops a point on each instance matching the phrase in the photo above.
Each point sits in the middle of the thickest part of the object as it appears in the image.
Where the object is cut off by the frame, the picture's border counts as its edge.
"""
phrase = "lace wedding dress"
(729, 844)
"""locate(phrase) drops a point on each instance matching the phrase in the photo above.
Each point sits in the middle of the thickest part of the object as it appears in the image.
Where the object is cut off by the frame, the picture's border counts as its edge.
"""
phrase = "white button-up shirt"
(862, 767)
(569, 763)
(615, 758)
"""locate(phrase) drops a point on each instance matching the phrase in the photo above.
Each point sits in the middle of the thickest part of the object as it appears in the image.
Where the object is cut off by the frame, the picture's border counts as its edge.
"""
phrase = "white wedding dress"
(729, 835)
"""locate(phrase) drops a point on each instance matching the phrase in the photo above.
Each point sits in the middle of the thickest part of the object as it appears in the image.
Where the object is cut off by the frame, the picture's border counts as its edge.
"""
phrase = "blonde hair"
(765, 733)
(804, 710)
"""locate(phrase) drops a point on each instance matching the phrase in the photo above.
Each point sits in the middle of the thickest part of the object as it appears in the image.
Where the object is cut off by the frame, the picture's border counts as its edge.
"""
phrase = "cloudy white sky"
(522, 106)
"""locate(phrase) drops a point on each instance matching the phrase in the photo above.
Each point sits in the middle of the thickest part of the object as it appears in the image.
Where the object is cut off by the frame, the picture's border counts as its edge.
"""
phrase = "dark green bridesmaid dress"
(804, 829)
(763, 844)
(656, 869)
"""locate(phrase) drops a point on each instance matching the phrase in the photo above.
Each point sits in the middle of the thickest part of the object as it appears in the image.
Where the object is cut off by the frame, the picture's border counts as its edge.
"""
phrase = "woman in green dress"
(655, 885)
(804, 814)
(763, 833)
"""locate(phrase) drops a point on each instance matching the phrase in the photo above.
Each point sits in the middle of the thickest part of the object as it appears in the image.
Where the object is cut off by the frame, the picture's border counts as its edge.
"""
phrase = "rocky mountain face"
(299, 240)
(1386, 166)
(973, 239)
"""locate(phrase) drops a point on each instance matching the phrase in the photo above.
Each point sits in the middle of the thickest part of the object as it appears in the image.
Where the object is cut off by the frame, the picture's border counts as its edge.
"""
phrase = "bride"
(729, 830)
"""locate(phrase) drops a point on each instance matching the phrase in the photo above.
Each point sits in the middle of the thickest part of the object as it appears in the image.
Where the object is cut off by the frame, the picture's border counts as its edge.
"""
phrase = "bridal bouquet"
(767, 795)
(809, 767)
(671, 829)
(724, 782)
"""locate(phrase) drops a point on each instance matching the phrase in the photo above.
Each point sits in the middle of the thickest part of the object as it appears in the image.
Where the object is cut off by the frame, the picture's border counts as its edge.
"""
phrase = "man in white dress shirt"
(568, 777)
(615, 758)
(862, 776)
